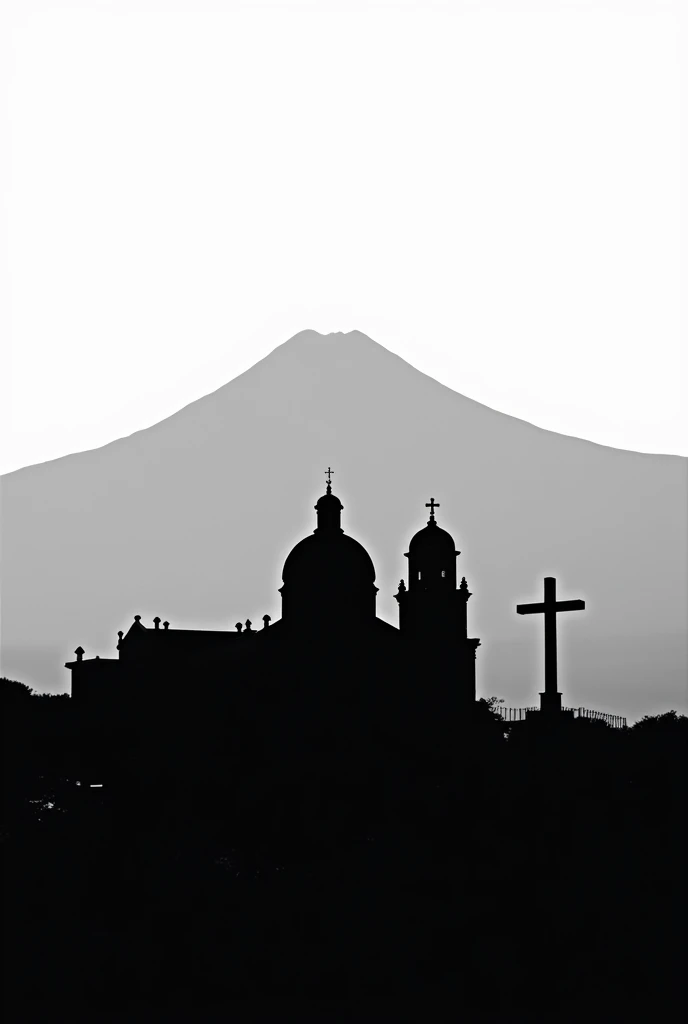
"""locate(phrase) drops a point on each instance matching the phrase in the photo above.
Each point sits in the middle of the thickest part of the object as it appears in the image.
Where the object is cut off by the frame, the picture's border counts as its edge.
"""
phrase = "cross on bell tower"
(432, 505)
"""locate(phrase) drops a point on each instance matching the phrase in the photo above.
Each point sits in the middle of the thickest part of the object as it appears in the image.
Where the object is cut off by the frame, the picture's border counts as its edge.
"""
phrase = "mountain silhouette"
(191, 520)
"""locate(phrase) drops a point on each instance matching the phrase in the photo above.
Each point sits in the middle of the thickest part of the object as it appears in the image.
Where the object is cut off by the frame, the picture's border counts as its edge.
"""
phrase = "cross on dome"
(328, 473)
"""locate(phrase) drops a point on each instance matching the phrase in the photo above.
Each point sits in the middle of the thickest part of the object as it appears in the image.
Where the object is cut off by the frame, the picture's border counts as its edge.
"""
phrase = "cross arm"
(570, 606)
(530, 609)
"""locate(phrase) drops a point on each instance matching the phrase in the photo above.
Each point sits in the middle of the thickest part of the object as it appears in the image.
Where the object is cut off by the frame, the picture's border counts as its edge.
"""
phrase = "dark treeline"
(516, 873)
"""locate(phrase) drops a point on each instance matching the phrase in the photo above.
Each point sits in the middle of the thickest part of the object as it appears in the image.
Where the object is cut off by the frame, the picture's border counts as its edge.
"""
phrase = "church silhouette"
(328, 674)
(328, 589)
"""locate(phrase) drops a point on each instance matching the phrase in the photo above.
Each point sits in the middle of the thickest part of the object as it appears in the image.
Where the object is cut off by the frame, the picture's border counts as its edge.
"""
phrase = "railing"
(615, 721)
(520, 714)
(514, 714)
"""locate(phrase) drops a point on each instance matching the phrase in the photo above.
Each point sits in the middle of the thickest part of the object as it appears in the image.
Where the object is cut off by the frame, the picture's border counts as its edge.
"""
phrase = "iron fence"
(520, 714)
(514, 714)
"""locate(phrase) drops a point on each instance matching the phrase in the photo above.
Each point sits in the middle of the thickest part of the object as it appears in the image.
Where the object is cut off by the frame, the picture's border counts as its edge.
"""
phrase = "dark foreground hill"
(191, 520)
(539, 878)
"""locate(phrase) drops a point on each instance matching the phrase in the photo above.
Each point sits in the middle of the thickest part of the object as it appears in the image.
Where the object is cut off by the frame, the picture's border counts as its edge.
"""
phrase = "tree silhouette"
(11, 690)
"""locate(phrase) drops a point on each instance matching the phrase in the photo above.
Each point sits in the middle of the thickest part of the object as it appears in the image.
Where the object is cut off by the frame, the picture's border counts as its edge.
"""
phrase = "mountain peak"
(310, 336)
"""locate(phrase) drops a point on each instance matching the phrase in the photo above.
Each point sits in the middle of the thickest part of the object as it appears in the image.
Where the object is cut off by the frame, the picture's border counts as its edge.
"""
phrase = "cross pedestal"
(550, 703)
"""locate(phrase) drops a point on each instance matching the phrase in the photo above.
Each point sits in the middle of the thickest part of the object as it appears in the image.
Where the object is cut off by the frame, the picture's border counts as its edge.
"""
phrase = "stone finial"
(402, 586)
(266, 621)
(248, 626)
(239, 627)
(97, 657)
(120, 633)
(137, 618)
(165, 625)
(157, 621)
(79, 653)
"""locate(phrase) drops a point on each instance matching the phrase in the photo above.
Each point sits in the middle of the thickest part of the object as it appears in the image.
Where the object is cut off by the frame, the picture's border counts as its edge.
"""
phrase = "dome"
(329, 578)
(334, 558)
(327, 501)
(431, 540)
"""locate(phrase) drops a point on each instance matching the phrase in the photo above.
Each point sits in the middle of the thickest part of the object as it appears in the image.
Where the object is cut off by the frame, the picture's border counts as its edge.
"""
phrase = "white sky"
(493, 191)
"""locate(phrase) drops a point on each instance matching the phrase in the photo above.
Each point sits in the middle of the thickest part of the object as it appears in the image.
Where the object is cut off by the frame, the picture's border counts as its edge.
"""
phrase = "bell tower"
(433, 611)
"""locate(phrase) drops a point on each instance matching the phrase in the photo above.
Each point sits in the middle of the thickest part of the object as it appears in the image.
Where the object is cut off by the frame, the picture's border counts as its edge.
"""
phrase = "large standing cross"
(550, 606)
